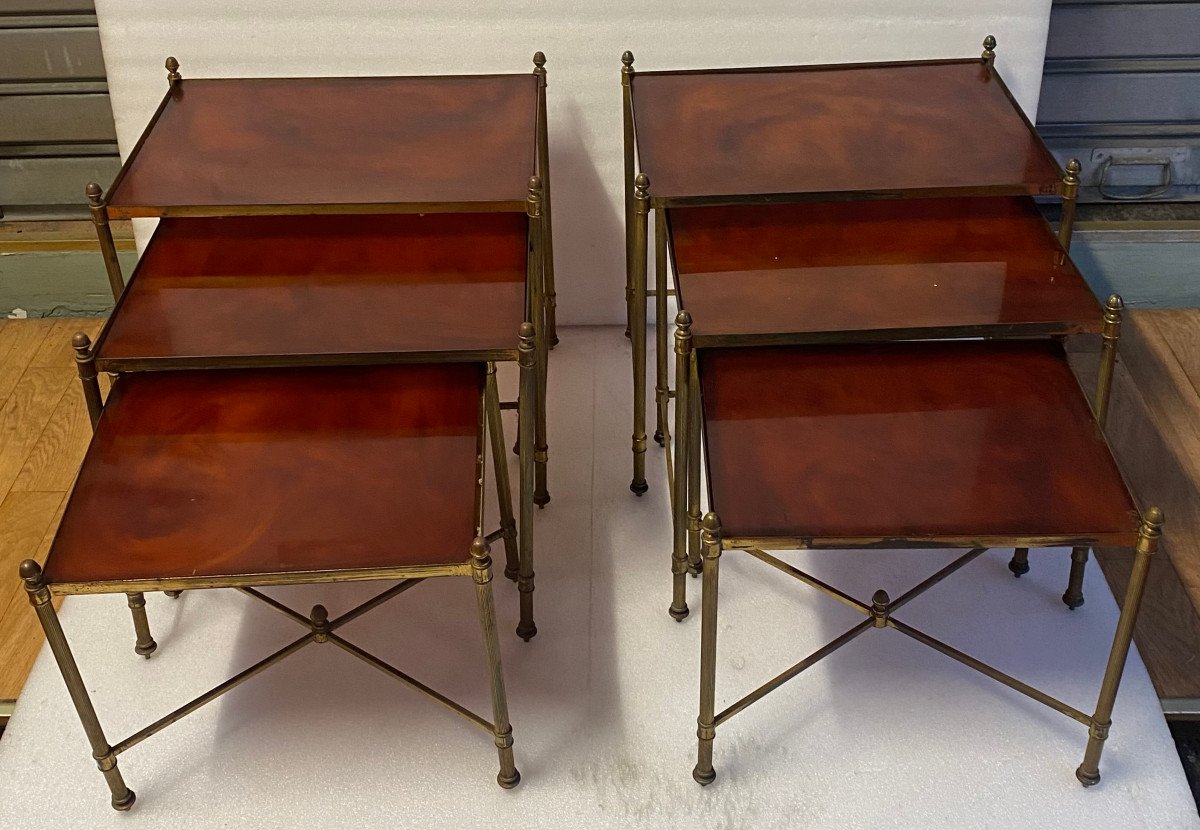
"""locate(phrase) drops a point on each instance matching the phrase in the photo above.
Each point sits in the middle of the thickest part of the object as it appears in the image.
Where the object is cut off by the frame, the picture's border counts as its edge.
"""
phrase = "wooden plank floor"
(44, 432)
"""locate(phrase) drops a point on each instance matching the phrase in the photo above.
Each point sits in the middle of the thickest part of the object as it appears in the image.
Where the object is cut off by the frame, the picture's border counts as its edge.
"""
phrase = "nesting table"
(304, 360)
(868, 351)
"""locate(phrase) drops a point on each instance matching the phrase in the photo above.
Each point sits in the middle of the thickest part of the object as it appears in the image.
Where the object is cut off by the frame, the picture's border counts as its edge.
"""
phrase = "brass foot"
(541, 498)
(1086, 778)
(173, 594)
(146, 649)
(704, 777)
(678, 614)
(1019, 564)
(526, 632)
(510, 782)
(511, 574)
(658, 437)
(1072, 599)
(638, 486)
(627, 335)
(125, 803)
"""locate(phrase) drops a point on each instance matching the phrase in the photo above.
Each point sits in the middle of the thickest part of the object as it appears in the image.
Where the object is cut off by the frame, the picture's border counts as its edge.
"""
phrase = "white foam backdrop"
(583, 43)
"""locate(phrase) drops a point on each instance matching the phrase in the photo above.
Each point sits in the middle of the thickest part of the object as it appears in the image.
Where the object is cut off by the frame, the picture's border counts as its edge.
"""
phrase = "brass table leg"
(106, 759)
(1074, 593)
(543, 139)
(526, 358)
(1088, 772)
(706, 728)
(682, 437)
(141, 626)
(481, 572)
(108, 248)
(535, 276)
(508, 525)
(695, 440)
(627, 119)
(660, 323)
(1019, 564)
(638, 332)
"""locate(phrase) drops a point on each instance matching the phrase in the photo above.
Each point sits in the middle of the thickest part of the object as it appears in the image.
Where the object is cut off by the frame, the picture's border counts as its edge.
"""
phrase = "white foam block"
(583, 43)
(884, 733)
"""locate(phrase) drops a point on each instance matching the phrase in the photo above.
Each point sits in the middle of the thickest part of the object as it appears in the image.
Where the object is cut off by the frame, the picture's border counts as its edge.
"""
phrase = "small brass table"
(957, 444)
(245, 478)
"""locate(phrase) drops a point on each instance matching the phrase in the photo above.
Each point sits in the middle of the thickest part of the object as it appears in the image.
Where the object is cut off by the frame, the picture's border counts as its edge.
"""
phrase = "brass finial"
(683, 319)
(1115, 303)
(1152, 522)
(535, 186)
(879, 607)
(1073, 168)
(641, 186)
(30, 571)
(95, 194)
(710, 524)
(539, 60)
(320, 623)
(81, 343)
(173, 76)
(533, 204)
(989, 50)
(627, 61)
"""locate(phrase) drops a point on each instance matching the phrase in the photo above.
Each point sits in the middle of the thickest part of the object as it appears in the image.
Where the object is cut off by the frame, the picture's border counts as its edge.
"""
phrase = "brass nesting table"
(837, 233)
(304, 359)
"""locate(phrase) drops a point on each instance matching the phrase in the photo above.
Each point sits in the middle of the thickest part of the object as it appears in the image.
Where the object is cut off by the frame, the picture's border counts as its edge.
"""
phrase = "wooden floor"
(43, 434)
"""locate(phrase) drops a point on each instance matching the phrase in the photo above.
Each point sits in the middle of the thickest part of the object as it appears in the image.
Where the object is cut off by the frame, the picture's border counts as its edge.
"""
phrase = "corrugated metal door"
(56, 125)
(1121, 92)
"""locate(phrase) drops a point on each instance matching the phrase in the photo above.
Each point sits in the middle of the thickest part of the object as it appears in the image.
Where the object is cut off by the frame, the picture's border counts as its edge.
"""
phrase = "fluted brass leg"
(141, 625)
(481, 572)
(508, 524)
(706, 728)
(681, 439)
(526, 359)
(638, 330)
(543, 140)
(1073, 596)
(106, 759)
(627, 118)
(1088, 772)
(1019, 564)
(695, 552)
(535, 277)
(660, 323)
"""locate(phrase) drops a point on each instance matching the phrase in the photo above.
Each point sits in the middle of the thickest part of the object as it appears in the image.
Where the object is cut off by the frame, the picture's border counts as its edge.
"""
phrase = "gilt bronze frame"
(478, 565)
(640, 202)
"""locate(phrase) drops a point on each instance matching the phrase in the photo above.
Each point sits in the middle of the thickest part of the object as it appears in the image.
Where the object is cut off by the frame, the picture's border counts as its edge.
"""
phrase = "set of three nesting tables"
(304, 359)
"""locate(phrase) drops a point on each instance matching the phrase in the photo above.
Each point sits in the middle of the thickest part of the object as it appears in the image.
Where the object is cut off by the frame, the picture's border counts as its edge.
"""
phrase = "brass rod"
(695, 436)
(773, 684)
(386, 668)
(678, 481)
(1110, 336)
(661, 346)
(212, 694)
(629, 151)
(108, 249)
(997, 675)
(526, 628)
(481, 575)
(547, 236)
(508, 524)
(637, 332)
(914, 592)
(373, 603)
(810, 580)
(277, 605)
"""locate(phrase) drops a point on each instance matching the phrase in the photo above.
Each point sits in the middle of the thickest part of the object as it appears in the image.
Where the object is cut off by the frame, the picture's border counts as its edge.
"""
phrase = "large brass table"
(906, 445)
(248, 478)
(851, 133)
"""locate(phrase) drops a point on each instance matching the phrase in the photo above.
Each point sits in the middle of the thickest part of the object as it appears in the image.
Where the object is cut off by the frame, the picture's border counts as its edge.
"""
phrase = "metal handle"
(1158, 190)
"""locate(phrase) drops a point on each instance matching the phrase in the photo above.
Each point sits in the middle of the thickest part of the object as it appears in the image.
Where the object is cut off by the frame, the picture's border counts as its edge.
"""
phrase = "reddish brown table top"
(229, 289)
(964, 439)
(945, 126)
(911, 268)
(246, 143)
(238, 472)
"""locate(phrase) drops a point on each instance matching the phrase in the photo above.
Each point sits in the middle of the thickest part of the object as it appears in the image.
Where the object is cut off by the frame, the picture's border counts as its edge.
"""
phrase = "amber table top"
(901, 268)
(232, 289)
(943, 126)
(252, 472)
(260, 142)
(934, 440)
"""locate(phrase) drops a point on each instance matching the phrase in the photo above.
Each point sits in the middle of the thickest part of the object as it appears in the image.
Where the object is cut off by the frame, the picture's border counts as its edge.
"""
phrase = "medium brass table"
(822, 133)
(907, 445)
(247, 478)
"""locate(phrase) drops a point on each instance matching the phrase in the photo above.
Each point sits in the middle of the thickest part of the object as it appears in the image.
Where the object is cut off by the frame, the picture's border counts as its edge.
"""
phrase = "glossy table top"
(240, 472)
(255, 142)
(945, 126)
(892, 268)
(928, 440)
(224, 290)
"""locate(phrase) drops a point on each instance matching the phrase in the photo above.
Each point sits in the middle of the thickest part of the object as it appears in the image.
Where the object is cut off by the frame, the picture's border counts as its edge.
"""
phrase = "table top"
(877, 444)
(204, 475)
(240, 145)
(886, 269)
(948, 127)
(266, 290)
